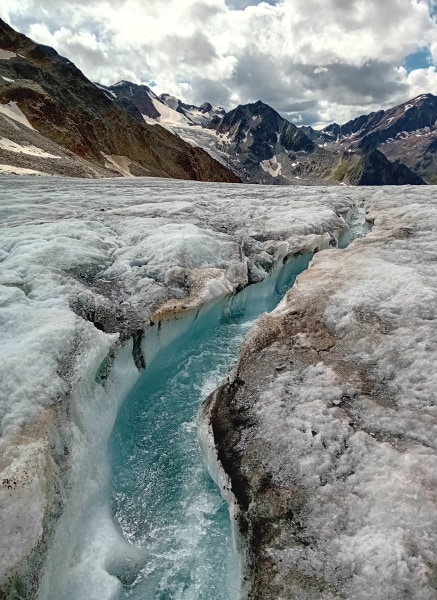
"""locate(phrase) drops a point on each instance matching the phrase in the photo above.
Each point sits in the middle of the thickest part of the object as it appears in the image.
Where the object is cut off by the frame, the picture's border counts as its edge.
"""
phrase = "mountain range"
(54, 120)
(405, 133)
(259, 145)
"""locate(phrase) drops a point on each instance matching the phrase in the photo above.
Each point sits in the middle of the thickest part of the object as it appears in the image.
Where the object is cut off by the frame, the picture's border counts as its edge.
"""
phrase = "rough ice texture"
(327, 427)
(84, 267)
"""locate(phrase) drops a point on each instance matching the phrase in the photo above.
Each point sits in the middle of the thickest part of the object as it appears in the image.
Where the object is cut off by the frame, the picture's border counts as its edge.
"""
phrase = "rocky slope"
(67, 109)
(371, 167)
(187, 121)
(405, 133)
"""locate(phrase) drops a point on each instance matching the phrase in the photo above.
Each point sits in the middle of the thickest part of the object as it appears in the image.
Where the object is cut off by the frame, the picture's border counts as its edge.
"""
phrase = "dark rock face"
(136, 99)
(266, 148)
(267, 129)
(378, 170)
(371, 167)
(68, 109)
(403, 133)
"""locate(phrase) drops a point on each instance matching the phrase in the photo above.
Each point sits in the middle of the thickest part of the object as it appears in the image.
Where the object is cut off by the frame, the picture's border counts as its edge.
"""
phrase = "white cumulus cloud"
(313, 60)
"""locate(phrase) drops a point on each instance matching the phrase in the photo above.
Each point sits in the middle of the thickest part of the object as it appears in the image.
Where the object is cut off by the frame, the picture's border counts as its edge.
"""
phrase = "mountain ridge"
(261, 146)
(63, 106)
(406, 133)
(87, 129)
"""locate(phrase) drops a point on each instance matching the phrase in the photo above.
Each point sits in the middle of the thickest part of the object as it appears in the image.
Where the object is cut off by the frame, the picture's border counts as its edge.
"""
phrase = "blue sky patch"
(419, 60)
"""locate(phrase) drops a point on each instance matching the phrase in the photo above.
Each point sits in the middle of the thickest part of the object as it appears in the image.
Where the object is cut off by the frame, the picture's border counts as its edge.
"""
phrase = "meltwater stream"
(162, 495)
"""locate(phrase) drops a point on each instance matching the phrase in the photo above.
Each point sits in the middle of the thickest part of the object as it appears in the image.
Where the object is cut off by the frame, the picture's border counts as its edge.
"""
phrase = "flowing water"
(162, 496)
(163, 499)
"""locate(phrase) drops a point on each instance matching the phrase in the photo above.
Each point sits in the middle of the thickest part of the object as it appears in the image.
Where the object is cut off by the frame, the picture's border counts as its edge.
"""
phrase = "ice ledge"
(327, 427)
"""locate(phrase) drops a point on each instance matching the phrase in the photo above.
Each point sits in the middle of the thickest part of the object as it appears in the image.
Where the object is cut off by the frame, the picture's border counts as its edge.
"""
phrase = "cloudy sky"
(315, 61)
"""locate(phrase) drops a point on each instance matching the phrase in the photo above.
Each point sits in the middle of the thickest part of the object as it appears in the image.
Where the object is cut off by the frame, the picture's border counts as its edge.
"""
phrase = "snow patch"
(12, 170)
(169, 116)
(120, 163)
(7, 144)
(6, 55)
(271, 166)
(12, 111)
(105, 90)
(208, 139)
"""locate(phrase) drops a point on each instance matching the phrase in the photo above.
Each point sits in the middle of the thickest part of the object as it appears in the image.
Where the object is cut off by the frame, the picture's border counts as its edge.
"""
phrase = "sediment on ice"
(325, 430)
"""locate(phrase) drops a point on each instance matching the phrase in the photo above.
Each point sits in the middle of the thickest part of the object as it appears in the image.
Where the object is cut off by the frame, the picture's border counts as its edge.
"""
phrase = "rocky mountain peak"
(403, 133)
(259, 127)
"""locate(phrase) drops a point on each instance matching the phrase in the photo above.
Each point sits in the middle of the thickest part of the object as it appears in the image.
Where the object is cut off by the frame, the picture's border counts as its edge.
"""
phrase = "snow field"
(7, 144)
(12, 111)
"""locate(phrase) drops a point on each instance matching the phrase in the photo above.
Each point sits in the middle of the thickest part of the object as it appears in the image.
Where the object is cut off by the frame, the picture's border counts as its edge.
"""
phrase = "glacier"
(98, 277)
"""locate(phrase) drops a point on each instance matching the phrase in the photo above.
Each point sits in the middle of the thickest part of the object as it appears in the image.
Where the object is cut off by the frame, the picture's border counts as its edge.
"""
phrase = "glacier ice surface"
(84, 266)
(339, 390)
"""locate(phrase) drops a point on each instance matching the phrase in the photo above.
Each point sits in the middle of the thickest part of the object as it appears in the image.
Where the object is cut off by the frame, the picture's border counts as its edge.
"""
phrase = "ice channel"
(162, 496)
(174, 538)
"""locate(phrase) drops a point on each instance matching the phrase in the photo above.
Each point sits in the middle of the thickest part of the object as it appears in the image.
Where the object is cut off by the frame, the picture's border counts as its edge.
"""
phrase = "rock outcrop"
(371, 167)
